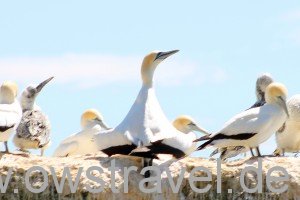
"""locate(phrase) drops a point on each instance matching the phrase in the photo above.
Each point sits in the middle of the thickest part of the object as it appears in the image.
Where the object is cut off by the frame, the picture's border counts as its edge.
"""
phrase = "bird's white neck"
(147, 72)
(88, 125)
(28, 104)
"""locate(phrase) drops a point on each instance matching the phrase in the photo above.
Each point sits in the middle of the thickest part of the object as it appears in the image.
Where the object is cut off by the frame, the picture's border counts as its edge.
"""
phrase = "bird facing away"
(288, 136)
(83, 142)
(10, 111)
(254, 126)
(33, 131)
(262, 82)
(145, 121)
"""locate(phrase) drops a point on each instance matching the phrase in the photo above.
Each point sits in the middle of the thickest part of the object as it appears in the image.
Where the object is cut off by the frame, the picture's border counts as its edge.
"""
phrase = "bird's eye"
(192, 124)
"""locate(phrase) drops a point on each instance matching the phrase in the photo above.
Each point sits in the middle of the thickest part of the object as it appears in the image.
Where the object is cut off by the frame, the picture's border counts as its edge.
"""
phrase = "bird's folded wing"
(250, 121)
(8, 119)
(108, 138)
(34, 125)
(66, 149)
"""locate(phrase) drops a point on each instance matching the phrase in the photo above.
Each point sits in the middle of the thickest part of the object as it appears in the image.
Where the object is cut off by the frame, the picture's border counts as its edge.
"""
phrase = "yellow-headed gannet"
(254, 126)
(83, 142)
(33, 131)
(10, 111)
(262, 82)
(178, 146)
(145, 122)
(288, 136)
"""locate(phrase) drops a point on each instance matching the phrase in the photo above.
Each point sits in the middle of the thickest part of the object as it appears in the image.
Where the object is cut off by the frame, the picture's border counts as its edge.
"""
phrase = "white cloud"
(94, 70)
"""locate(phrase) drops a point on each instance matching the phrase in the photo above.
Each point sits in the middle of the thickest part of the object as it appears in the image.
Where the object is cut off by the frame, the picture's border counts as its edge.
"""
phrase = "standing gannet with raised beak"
(83, 142)
(288, 136)
(262, 82)
(33, 131)
(254, 126)
(10, 111)
(145, 122)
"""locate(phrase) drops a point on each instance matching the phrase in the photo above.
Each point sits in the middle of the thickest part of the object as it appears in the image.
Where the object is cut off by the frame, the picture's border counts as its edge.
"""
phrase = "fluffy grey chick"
(33, 131)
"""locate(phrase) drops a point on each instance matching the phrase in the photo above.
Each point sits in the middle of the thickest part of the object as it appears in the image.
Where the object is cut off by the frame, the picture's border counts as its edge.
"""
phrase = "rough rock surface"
(230, 175)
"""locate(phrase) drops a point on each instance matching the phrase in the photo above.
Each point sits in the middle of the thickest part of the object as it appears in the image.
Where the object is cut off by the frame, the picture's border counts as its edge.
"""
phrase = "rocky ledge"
(35, 177)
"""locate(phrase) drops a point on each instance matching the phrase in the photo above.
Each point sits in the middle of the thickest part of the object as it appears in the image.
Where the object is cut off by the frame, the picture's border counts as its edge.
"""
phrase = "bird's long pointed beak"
(282, 103)
(42, 84)
(102, 124)
(164, 55)
(198, 128)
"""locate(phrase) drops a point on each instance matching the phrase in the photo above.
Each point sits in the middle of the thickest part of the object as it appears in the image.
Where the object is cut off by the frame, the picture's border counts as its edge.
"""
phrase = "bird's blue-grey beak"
(102, 124)
(42, 84)
(164, 55)
(198, 128)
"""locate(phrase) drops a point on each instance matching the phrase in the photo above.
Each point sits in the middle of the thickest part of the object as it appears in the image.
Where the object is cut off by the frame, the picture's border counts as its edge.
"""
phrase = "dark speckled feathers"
(34, 126)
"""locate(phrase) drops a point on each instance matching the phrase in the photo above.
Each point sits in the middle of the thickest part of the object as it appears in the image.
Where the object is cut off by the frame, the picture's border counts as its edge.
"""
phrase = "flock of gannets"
(146, 132)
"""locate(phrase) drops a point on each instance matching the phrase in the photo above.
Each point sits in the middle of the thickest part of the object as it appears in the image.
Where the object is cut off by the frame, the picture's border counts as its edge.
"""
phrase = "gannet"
(179, 146)
(10, 111)
(288, 136)
(145, 122)
(262, 82)
(254, 126)
(83, 142)
(33, 131)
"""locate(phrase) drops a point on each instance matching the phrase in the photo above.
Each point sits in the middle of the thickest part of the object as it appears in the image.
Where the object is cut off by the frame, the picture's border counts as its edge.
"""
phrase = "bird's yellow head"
(150, 63)
(276, 93)
(182, 122)
(9, 91)
(187, 124)
(91, 117)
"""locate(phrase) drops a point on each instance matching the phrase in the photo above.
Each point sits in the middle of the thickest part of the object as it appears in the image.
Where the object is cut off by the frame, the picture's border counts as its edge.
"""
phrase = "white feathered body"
(144, 123)
(10, 116)
(262, 121)
(80, 143)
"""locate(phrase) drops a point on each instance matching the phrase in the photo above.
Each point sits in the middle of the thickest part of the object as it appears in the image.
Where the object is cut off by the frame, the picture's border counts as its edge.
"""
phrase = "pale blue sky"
(95, 48)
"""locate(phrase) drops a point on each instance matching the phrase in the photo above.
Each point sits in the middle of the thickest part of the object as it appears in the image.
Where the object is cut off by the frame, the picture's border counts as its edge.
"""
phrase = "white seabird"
(145, 122)
(254, 126)
(288, 136)
(179, 146)
(33, 131)
(83, 142)
(262, 82)
(10, 111)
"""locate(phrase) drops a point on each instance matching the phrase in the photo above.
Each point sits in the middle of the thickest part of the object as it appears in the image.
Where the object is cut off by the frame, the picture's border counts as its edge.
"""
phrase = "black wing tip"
(202, 146)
